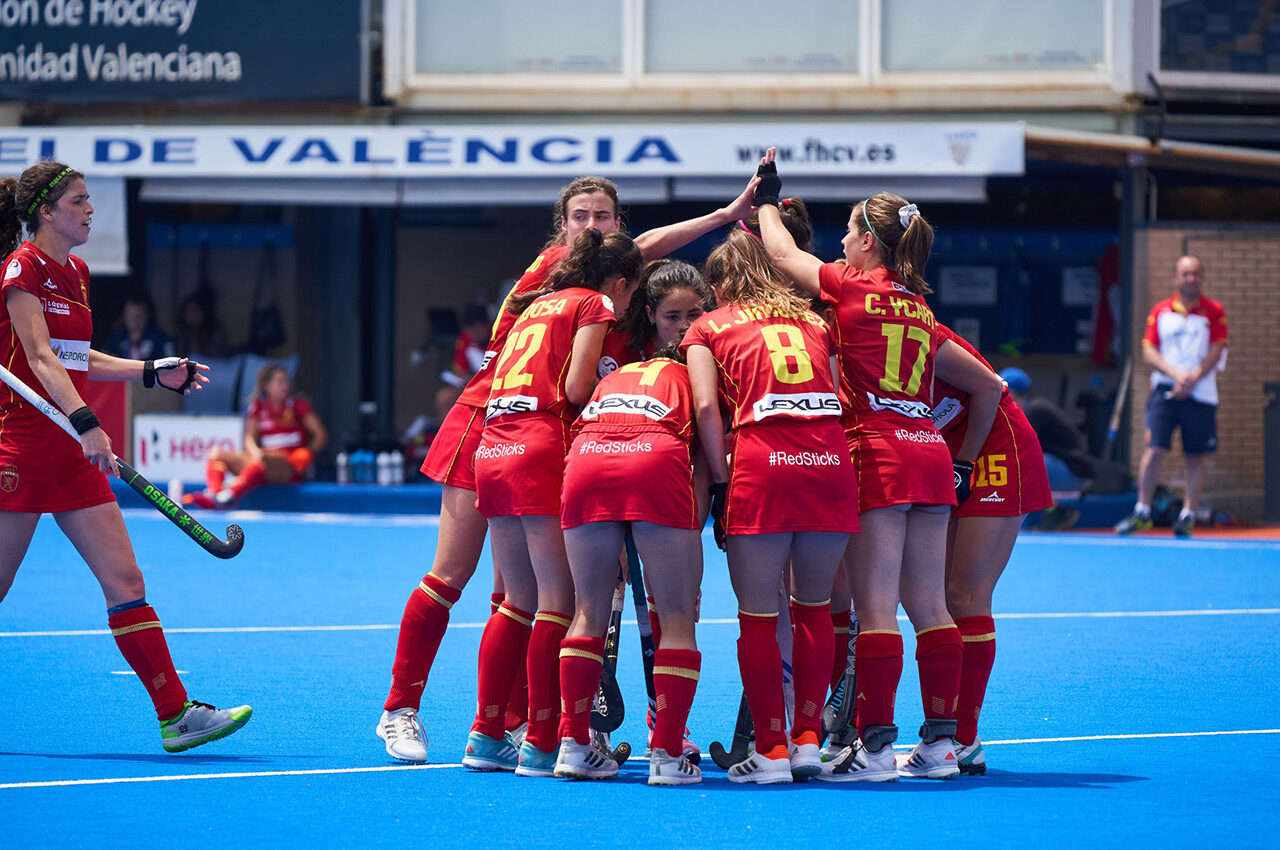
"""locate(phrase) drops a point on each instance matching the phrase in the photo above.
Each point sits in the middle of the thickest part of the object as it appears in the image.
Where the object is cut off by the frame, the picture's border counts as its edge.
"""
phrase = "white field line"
(122, 780)
(377, 627)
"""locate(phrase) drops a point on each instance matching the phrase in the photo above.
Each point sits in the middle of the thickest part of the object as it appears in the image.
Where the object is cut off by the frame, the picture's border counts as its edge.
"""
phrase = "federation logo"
(607, 364)
(8, 478)
(961, 145)
(12, 270)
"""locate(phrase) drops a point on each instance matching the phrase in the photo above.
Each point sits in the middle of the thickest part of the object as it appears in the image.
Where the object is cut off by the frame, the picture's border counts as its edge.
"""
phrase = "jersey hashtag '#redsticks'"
(887, 337)
(530, 372)
(476, 392)
(768, 366)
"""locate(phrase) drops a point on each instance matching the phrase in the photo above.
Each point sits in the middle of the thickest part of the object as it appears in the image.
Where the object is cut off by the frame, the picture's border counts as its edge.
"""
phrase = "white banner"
(808, 149)
(167, 446)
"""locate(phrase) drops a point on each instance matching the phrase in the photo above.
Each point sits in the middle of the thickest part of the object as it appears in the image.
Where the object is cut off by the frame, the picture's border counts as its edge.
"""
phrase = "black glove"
(167, 364)
(719, 493)
(770, 186)
(963, 471)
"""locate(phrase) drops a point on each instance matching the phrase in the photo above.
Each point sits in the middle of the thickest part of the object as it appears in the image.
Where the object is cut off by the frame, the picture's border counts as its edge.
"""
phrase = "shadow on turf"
(157, 758)
(717, 781)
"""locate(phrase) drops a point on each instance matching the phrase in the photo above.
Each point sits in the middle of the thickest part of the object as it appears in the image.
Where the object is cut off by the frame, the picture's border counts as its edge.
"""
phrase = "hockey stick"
(838, 711)
(609, 711)
(1122, 395)
(641, 599)
(215, 546)
(741, 743)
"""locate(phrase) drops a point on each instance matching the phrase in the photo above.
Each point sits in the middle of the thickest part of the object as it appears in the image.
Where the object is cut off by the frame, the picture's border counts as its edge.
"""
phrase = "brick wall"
(1242, 271)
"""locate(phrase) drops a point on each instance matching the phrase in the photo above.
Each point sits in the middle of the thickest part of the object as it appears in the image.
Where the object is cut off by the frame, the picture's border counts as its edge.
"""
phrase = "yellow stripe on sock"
(841, 630)
(935, 629)
(978, 638)
(524, 621)
(880, 632)
(552, 618)
(683, 672)
(823, 604)
(774, 615)
(136, 627)
(571, 652)
(437, 597)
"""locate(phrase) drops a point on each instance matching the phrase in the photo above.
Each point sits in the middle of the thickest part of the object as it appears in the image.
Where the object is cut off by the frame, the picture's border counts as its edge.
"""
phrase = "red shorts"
(42, 470)
(520, 465)
(900, 463)
(792, 476)
(1009, 478)
(452, 456)
(643, 476)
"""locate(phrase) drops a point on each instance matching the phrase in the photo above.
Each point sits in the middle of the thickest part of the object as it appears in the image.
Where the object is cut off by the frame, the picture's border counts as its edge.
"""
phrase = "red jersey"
(41, 468)
(651, 396)
(770, 368)
(887, 336)
(1183, 335)
(468, 354)
(476, 392)
(615, 352)
(281, 427)
(530, 372)
(951, 405)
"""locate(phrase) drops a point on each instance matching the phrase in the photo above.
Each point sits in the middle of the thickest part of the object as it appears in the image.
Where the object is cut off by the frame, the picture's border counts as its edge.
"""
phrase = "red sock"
(495, 599)
(654, 625)
(215, 475)
(841, 623)
(502, 649)
(422, 626)
(253, 475)
(810, 664)
(979, 637)
(675, 679)
(580, 661)
(141, 640)
(549, 628)
(939, 653)
(879, 667)
(760, 663)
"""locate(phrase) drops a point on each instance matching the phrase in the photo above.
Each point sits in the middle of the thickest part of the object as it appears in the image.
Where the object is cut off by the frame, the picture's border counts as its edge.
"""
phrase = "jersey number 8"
(791, 363)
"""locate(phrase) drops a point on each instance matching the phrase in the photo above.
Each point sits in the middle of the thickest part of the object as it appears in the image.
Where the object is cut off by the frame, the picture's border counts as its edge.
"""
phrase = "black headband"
(54, 182)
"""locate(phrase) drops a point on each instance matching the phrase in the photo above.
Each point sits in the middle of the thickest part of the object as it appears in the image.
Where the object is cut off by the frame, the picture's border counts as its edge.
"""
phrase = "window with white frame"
(992, 35)
(507, 37)
(751, 37)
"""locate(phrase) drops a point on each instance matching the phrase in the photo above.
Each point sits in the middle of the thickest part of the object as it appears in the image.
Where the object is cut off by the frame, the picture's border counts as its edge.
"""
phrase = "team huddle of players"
(847, 446)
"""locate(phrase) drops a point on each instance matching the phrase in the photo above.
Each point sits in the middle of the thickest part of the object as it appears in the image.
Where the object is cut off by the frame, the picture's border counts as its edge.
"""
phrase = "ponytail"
(904, 236)
(594, 258)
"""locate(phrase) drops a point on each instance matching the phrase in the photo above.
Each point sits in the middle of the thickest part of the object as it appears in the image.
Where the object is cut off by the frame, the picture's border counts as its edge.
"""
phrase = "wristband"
(84, 420)
(148, 373)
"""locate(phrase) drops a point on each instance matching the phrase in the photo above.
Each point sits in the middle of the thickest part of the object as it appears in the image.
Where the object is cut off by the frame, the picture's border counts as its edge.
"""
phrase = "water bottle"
(384, 469)
(343, 462)
(397, 467)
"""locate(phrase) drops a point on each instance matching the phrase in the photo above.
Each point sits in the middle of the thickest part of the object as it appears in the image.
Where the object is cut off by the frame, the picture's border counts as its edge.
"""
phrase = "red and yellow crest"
(8, 478)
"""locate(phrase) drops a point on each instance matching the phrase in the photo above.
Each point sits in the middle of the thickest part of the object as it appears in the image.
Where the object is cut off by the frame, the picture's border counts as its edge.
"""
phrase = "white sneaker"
(402, 731)
(199, 723)
(935, 760)
(666, 769)
(806, 760)
(223, 498)
(970, 758)
(583, 761)
(517, 734)
(761, 770)
(856, 764)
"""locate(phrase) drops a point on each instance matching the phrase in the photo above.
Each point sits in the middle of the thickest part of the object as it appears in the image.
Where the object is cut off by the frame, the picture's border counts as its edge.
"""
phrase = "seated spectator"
(1065, 457)
(199, 330)
(282, 434)
(468, 351)
(139, 338)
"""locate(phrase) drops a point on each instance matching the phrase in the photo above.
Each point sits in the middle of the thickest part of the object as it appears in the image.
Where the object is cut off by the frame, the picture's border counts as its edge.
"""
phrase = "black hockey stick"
(838, 711)
(742, 733)
(641, 599)
(212, 544)
(609, 711)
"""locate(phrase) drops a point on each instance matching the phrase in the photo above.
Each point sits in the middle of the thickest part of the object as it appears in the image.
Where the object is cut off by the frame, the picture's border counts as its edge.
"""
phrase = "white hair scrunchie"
(905, 214)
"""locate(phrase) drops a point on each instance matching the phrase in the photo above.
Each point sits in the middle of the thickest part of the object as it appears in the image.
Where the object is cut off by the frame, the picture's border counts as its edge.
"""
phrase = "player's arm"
(965, 372)
(706, 411)
(584, 362)
(252, 436)
(27, 318)
(787, 257)
(170, 372)
(1152, 357)
(1207, 365)
(319, 436)
(661, 241)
